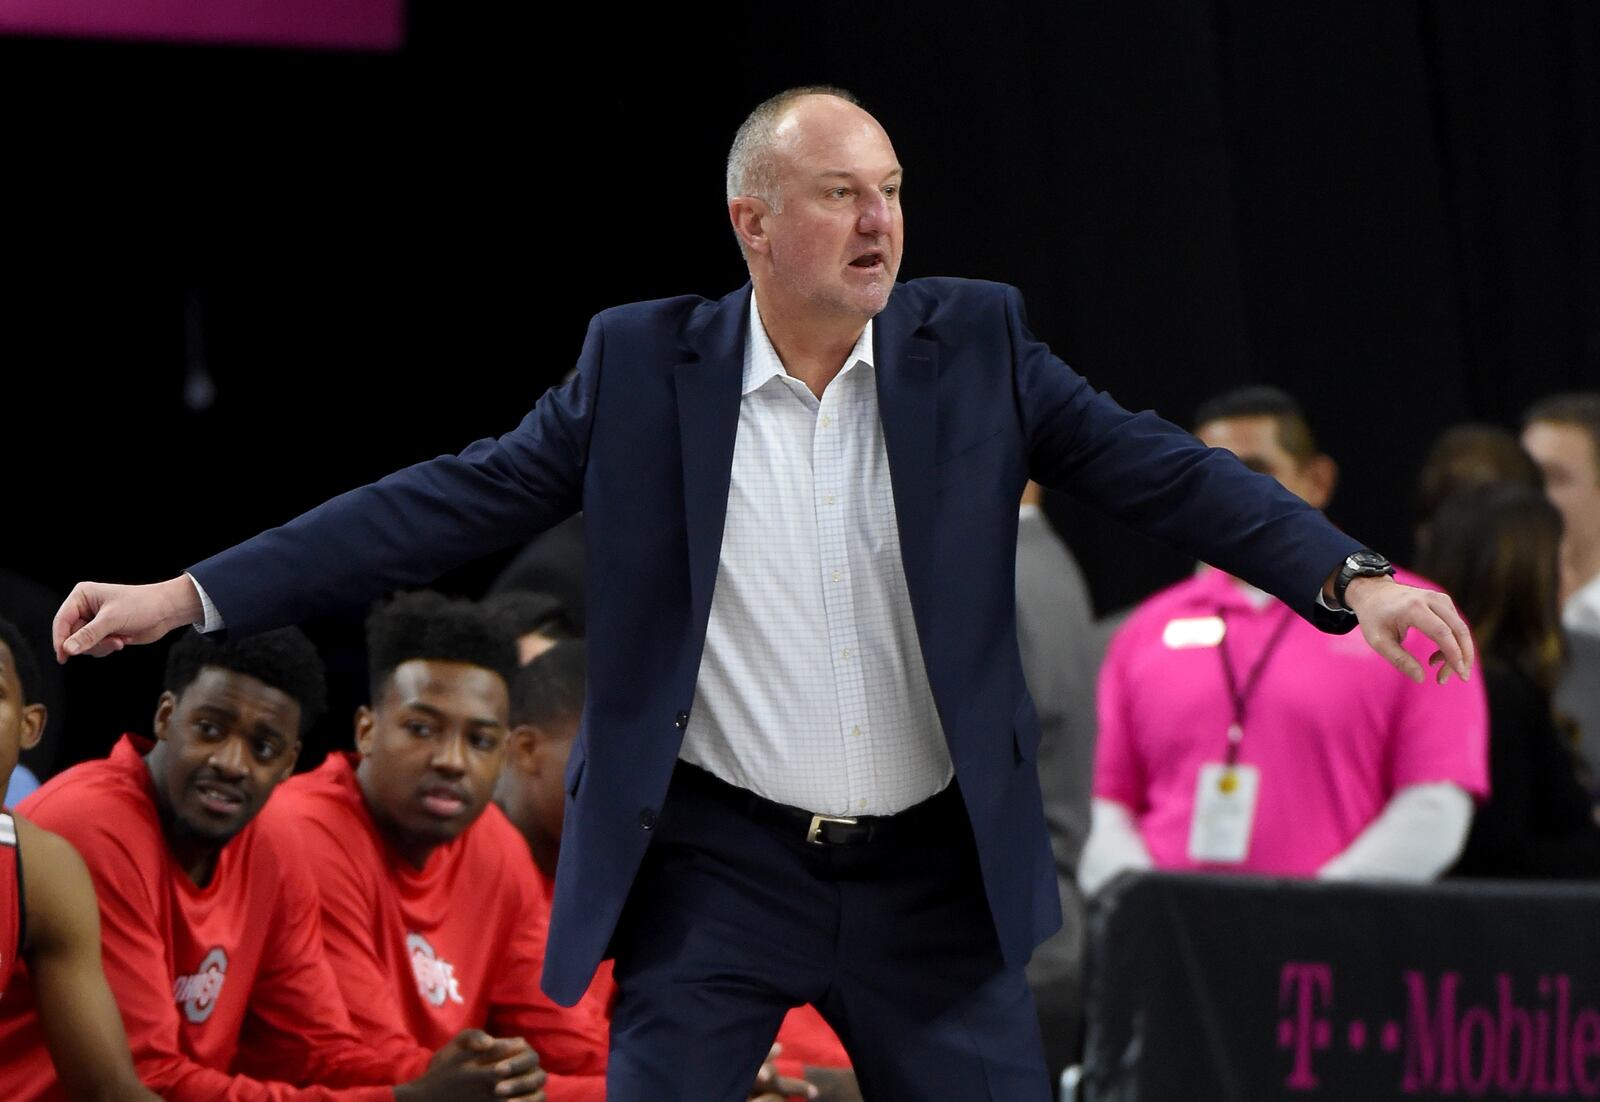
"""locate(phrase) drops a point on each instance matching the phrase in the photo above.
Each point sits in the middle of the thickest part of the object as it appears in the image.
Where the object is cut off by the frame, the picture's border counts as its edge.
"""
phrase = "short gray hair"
(751, 170)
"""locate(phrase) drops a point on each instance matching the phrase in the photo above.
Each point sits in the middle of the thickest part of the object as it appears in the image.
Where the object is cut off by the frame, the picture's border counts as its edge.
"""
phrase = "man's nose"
(872, 216)
(231, 759)
(451, 756)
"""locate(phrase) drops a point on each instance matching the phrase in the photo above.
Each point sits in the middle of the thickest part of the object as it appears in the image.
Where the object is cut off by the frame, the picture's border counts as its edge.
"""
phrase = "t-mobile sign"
(343, 24)
(1250, 991)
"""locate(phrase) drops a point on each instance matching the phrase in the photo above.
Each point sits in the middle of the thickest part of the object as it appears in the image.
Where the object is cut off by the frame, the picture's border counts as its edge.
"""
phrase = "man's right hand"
(98, 618)
(476, 1065)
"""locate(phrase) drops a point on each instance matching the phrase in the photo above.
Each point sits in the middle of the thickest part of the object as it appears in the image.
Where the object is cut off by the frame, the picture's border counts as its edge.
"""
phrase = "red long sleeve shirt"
(10, 900)
(195, 970)
(421, 954)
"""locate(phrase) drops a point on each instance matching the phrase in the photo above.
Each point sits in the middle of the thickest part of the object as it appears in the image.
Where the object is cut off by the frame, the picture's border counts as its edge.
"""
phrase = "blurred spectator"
(1495, 548)
(1463, 457)
(1562, 433)
(1060, 655)
(537, 621)
(428, 895)
(547, 698)
(1234, 736)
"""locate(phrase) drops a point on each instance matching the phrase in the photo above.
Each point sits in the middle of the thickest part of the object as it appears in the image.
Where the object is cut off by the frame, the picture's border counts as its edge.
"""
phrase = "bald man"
(813, 774)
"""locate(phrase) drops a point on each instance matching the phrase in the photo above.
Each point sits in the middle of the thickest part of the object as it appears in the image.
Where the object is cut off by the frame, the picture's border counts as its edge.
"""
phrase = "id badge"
(1224, 811)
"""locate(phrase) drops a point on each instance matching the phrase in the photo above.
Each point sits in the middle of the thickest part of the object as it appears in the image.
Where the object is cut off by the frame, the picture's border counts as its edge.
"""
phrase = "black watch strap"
(1360, 564)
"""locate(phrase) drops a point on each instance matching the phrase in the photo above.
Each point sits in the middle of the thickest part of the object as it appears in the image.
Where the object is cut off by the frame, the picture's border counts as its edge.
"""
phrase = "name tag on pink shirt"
(1194, 631)
(1224, 812)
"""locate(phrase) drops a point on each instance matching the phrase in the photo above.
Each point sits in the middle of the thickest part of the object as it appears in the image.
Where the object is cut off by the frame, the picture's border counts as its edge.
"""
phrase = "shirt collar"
(761, 361)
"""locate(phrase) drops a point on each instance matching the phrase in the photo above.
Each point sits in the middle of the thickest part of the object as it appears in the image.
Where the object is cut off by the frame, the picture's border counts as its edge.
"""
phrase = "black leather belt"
(821, 830)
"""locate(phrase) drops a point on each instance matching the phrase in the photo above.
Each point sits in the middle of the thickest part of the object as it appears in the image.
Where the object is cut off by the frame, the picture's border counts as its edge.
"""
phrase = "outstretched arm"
(405, 529)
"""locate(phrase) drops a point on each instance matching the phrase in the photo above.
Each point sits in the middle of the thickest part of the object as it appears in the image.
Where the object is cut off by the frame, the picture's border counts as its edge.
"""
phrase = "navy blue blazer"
(641, 439)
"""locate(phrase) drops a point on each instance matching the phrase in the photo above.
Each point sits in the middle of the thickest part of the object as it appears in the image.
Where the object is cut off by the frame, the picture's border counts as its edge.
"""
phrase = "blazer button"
(647, 818)
(681, 720)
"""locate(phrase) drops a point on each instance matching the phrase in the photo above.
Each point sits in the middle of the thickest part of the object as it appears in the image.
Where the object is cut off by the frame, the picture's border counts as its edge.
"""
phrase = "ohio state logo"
(436, 979)
(198, 993)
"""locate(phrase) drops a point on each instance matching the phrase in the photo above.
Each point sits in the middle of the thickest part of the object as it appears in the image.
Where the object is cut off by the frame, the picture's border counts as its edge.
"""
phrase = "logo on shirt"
(198, 993)
(436, 979)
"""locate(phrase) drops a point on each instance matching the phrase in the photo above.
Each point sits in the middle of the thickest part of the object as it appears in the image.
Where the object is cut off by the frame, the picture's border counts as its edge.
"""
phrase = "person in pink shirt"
(1234, 737)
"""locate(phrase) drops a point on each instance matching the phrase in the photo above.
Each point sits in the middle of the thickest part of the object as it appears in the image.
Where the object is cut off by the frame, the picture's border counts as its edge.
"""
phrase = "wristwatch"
(1360, 564)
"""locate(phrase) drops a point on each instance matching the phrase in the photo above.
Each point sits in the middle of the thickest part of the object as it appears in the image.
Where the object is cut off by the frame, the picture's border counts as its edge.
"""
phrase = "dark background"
(1391, 209)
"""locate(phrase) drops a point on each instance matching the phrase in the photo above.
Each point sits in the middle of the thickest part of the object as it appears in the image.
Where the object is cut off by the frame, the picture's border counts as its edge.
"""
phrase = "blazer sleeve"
(1155, 477)
(415, 524)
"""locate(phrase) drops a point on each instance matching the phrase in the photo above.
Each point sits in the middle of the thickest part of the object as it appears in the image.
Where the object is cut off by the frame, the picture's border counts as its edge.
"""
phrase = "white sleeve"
(1114, 846)
(213, 618)
(1417, 836)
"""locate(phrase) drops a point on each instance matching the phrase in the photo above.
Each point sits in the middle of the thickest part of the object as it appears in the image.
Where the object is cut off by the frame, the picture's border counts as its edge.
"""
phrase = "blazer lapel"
(908, 373)
(708, 382)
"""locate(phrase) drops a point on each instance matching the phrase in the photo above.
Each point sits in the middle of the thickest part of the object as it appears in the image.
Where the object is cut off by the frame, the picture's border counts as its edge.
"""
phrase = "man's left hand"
(1388, 609)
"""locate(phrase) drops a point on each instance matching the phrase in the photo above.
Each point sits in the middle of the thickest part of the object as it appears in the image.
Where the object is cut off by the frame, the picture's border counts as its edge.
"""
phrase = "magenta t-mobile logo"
(1500, 1046)
(1305, 990)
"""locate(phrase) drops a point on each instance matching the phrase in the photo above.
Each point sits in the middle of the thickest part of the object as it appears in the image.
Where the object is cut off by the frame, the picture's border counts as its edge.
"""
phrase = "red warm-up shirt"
(195, 970)
(10, 900)
(422, 954)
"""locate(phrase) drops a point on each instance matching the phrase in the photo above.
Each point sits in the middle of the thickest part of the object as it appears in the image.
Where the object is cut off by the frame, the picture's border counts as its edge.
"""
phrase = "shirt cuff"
(213, 619)
(1321, 600)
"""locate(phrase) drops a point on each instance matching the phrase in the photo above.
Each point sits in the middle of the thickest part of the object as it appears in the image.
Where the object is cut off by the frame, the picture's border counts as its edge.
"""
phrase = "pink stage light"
(339, 24)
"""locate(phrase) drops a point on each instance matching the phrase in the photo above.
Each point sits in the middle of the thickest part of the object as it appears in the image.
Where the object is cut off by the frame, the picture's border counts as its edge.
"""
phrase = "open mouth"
(218, 799)
(443, 803)
(868, 261)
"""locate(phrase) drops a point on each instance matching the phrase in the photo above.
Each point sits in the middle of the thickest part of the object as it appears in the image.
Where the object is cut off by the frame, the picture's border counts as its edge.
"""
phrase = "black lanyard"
(1241, 700)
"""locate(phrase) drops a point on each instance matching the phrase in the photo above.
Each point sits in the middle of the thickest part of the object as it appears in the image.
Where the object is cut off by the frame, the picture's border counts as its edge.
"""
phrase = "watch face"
(1368, 560)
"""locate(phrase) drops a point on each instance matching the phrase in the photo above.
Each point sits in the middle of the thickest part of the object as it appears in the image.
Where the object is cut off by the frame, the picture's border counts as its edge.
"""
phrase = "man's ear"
(164, 709)
(288, 765)
(366, 730)
(522, 749)
(748, 214)
(34, 717)
(1322, 476)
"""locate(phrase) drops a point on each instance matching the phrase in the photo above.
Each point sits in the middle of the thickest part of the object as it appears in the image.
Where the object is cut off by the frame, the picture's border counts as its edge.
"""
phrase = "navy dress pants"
(734, 919)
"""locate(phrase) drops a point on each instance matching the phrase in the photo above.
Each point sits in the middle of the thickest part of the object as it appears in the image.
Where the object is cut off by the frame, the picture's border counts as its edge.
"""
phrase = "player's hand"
(474, 1065)
(772, 1087)
(834, 1084)
(98, 618)
(1388, 609)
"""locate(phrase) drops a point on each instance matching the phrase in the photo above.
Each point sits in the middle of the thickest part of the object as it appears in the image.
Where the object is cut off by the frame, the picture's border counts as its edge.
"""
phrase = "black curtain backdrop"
(235, 282)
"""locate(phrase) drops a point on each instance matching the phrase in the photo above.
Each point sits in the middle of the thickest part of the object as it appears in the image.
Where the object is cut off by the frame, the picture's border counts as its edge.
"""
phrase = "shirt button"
(681, 720)
(862, 805)
(837, 575)
(855, 731)
(647, 818)
(829, 499)
(826, 420)
(845, 653)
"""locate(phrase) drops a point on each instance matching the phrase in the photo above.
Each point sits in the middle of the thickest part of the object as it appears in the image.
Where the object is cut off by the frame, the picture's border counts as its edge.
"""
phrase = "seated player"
(546, 706)
(209, 921)
(49, 925)
(429, 898)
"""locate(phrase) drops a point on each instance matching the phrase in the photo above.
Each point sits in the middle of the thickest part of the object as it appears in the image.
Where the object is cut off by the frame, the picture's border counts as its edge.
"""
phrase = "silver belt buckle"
(816, 826)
